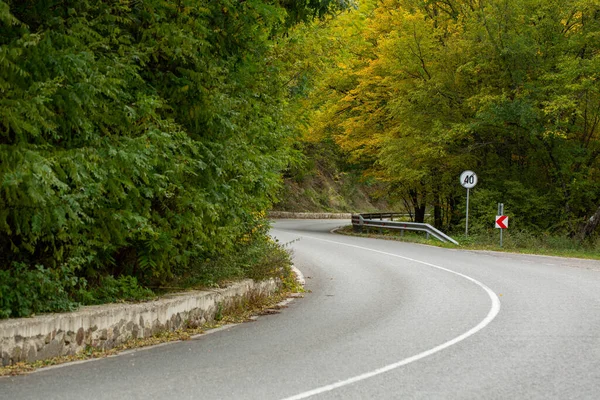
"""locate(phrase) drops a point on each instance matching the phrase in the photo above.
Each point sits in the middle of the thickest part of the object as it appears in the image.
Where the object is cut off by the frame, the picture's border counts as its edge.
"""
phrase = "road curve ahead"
(382, 320)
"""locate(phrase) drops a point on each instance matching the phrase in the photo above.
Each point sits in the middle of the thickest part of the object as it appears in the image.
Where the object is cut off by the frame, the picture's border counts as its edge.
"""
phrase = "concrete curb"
(299, 275)
(108, 326)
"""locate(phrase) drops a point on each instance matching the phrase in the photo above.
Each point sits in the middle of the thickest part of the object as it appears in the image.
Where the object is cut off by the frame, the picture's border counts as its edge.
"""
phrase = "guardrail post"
(357, 222)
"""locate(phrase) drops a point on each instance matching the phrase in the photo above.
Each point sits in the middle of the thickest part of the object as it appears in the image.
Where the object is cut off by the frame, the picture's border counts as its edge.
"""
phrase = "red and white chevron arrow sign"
(501, 221)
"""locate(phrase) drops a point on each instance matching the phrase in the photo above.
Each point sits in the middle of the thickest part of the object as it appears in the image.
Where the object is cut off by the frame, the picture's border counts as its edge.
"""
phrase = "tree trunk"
(420, 213)
(417, 206)
(589, 227)
(438, 221)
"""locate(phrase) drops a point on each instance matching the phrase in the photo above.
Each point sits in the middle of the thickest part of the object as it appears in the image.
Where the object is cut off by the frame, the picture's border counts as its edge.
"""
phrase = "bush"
(26, 291)
(111, 289)
(137, 143)
(259, 258)
(131, 147)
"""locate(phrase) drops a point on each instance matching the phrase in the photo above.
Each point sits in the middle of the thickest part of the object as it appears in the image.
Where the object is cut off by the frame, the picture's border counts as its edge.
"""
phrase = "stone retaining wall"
(306, 215)
(107, 326)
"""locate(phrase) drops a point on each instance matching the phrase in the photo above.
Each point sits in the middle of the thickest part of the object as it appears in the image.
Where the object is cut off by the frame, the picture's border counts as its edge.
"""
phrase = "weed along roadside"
(99, 331)
(517, 242)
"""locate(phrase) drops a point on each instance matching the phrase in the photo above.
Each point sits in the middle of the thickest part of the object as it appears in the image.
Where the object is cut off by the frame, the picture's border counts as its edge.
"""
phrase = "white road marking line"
(494, 310)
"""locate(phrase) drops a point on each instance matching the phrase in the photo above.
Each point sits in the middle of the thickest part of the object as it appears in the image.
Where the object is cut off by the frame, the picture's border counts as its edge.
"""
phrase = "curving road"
(383, 320)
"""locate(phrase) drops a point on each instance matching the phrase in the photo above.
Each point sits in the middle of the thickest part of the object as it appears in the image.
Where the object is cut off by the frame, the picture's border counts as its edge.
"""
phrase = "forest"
(413, 92)
(143, 141)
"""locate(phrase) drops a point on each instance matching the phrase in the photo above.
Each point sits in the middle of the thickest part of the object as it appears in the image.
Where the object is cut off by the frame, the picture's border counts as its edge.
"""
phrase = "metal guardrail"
(383, 215)
(384, 221)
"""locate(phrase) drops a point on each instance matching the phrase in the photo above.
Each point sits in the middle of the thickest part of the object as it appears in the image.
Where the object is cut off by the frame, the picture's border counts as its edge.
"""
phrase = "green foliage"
(110, 290)
(265, 260)
(518, 200)
(25, 291)
(139, 138)
(306, 10)
(506, 88)
(256, 257)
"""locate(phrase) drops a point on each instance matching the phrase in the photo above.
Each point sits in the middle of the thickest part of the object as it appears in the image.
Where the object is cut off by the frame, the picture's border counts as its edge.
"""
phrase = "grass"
(513, 241)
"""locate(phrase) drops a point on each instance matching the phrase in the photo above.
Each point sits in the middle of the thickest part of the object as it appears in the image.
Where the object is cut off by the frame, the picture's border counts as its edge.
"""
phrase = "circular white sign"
(468, 179)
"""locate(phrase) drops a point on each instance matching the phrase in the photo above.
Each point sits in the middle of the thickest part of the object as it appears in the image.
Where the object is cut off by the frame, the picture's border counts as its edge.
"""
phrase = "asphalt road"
(383, 320)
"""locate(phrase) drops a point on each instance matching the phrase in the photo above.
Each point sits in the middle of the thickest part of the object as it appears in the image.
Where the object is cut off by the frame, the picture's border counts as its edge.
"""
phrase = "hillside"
(326, 182)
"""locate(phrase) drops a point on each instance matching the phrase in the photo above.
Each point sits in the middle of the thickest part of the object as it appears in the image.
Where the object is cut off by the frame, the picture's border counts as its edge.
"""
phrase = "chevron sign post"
(501, 220)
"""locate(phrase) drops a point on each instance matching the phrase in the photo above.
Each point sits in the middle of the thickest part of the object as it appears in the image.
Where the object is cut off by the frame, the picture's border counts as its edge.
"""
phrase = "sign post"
(468, 180)
(501, 220)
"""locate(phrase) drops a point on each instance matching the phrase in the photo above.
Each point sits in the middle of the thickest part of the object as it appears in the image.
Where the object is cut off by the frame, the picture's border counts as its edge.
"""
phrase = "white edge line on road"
(494, 310)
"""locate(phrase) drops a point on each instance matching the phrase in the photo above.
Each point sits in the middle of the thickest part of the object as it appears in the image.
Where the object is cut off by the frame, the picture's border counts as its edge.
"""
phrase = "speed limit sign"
(468, 179)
